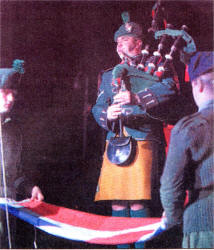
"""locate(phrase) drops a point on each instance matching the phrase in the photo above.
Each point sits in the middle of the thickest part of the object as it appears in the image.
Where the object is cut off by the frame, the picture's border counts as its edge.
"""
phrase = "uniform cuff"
(147, 99)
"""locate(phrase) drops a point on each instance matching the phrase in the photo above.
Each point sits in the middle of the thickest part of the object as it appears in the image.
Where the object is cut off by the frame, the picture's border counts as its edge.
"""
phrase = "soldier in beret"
(134, 189)
(15, 181)
(189, 164)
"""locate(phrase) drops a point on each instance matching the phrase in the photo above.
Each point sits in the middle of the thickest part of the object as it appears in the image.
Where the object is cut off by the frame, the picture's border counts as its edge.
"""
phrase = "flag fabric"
(82, 226)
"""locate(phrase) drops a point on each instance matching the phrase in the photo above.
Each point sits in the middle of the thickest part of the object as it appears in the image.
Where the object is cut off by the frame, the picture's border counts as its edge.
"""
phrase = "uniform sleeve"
(173, 188)
(154, 102)
(158, 94)
(99, 110)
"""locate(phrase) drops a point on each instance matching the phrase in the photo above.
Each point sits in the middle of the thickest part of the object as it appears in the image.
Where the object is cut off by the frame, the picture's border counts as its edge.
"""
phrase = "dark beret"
(128, 28)
(201, 62)
(9, 77)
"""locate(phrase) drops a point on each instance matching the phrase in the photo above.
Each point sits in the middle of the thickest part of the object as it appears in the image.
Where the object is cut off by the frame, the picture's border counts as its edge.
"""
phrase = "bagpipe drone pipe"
(174, 48)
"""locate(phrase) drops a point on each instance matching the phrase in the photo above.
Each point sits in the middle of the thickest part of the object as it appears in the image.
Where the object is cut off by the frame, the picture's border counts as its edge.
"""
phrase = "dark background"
(65, 44)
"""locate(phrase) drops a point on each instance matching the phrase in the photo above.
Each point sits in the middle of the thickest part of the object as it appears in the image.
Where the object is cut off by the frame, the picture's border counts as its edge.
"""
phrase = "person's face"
(7, 98)
(203, 88)
(128, 45)
(197, 90)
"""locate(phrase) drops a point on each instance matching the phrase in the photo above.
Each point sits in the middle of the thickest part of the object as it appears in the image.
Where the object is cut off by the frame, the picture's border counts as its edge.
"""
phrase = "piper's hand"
(36, 194)
(123, 97)
(126, 97)
(114, 111)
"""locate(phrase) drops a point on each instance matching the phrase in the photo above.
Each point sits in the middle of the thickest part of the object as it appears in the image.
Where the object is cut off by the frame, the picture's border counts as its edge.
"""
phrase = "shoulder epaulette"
(100, 76)
(109, 69)
(104, 71)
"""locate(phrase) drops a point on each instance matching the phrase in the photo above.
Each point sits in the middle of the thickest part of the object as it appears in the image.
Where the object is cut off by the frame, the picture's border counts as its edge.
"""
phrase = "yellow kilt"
(131, 182)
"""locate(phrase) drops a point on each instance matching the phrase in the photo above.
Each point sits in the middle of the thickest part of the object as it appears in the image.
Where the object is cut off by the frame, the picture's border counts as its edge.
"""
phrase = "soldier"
(132, 189)
(15, 180)
(189, 164)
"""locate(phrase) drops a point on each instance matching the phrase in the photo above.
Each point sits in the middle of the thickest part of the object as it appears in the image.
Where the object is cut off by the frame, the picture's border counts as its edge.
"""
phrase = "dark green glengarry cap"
(128, 28)
(10, 77)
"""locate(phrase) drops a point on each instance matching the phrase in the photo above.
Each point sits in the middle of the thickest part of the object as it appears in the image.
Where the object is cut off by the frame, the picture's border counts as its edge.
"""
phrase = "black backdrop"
(65, 44)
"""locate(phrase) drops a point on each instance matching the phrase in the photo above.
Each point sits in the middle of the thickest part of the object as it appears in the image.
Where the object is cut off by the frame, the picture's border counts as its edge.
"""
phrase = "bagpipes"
(172, 43)
(174, 46)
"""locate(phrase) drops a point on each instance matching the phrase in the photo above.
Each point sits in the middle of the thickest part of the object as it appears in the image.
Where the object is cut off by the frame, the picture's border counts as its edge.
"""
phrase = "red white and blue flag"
(82, 226)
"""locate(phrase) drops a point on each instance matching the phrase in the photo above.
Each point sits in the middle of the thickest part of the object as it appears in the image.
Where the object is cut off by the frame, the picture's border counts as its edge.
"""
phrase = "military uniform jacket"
(189, 166)
(138, 123)
(17, 180)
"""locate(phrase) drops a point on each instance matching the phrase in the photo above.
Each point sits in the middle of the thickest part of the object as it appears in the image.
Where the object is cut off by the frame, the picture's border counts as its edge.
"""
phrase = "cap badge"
(128, 27)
